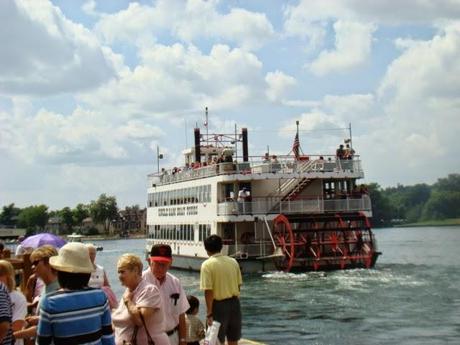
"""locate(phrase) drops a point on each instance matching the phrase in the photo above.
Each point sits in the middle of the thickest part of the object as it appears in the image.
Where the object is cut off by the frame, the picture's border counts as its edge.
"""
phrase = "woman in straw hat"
(75, 314)
(139, 315)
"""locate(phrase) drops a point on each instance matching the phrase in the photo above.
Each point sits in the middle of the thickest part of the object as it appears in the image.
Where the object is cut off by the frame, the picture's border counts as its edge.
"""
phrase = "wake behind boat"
(289, 213)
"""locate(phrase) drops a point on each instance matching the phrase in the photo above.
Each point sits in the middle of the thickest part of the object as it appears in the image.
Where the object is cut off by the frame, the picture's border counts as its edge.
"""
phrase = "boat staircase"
(291, 188)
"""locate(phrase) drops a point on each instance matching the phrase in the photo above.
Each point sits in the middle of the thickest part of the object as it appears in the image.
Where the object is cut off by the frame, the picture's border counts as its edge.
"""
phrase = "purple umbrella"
(39, 240)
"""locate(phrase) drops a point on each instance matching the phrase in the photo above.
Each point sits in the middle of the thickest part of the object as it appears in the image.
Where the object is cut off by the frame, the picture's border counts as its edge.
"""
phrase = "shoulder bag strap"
(133, 340)
(149, 338)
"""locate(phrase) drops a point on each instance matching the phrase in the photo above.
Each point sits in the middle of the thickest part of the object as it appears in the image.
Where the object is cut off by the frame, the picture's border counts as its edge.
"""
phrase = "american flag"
(296, 146)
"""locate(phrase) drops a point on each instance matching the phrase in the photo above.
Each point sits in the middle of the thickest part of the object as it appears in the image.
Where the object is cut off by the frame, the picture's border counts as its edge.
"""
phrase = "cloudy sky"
(88, 89)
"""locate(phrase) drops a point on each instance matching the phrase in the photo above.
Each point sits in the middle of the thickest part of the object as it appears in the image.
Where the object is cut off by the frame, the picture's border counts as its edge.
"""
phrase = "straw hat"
(73, 258)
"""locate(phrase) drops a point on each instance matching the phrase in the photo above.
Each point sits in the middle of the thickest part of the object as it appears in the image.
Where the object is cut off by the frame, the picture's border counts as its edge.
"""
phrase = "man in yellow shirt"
(220, 278)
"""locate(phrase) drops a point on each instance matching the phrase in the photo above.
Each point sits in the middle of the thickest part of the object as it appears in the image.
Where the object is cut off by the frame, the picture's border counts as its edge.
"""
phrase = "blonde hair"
(131, 262)
(6, 269)
(43, 252)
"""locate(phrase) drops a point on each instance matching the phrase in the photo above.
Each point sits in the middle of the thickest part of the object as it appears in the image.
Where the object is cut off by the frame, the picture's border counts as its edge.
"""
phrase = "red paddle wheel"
(284, 240)
(323, 242)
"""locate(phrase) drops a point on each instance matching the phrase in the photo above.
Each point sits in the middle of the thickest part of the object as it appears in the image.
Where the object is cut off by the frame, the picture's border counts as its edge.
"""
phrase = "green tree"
(448, 184)
(445, 199)
(408, 201)
(103, 210)
(80, 212)
(382, 211)
(442, 205)
(9, 215)
(67, 218)
(34, 217)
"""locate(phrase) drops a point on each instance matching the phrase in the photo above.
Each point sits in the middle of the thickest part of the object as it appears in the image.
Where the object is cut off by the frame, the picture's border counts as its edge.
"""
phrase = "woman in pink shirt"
(141, 300)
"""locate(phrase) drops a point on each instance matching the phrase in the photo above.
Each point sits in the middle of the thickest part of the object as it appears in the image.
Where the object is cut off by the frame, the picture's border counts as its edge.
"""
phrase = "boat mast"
(236, 143)
(206, 124)
(351, 138)
(158, 159)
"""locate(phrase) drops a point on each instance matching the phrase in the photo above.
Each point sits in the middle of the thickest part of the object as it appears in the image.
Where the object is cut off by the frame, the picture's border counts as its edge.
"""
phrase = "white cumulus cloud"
(278, 83)
(45, 53)
(187, 21)
(352, 48)
(170, 79)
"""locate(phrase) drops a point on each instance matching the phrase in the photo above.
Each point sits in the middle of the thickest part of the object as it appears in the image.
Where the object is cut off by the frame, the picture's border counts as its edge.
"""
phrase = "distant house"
(131, 219)
(88, 224)
(55, 225)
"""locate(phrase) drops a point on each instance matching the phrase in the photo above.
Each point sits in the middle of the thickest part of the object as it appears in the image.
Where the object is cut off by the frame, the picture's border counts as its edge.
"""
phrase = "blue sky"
(88, 89)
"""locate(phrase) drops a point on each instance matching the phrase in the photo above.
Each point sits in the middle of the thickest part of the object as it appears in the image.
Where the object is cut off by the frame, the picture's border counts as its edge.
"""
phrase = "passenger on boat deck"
(41, 270)
(348, 152)
(340, 152)
(274, 159)
(220, 278)
(172, 293)
(141, 307)
(18, 301)
(266, 158)
(99, 278)
(242, 194)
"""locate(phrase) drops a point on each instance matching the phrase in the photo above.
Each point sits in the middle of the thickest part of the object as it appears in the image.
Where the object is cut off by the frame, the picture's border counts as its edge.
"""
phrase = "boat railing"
(273, 205)
(283, 165)
(241, 250)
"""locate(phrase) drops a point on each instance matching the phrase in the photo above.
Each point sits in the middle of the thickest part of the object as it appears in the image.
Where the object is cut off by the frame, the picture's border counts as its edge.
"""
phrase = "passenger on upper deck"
(340, 152)
(348, 152)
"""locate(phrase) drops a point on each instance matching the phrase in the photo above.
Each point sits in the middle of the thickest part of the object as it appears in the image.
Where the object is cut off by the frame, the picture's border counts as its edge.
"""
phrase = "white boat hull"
(246, 265)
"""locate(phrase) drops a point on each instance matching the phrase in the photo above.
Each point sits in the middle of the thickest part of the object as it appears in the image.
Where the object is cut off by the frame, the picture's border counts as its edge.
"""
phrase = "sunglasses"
(35, 263)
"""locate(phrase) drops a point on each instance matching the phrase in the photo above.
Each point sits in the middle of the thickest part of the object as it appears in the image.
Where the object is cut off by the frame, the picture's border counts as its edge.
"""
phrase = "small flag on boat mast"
(296, 144)
(206, 120)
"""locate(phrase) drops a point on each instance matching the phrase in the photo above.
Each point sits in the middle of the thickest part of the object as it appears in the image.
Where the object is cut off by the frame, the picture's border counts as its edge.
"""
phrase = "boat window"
(208, 193)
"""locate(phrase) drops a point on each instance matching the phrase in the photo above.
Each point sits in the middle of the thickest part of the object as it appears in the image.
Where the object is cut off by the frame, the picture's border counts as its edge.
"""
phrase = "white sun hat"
(73, 258)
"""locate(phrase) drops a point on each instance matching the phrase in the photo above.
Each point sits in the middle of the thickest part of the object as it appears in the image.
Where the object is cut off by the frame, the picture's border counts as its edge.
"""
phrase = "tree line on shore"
(417, 203)
(36, 217)
(390, 206)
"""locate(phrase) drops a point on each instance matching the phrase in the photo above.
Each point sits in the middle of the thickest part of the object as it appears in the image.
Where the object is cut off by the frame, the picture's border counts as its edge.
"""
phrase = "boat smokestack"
(197, 145)
(244, 134)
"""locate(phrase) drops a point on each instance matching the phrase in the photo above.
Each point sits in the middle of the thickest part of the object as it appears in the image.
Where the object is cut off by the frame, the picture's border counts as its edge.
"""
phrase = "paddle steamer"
(289, 213)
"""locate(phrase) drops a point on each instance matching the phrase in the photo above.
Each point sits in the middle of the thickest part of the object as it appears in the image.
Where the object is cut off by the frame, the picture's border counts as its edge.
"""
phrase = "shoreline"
(428, 223)
(110, 238)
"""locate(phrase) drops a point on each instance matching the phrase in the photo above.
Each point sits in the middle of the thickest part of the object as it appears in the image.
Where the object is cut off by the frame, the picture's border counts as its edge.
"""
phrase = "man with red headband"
(174, 299)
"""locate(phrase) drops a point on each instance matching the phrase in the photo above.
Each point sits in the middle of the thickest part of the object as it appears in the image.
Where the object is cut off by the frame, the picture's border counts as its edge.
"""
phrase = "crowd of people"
(68, 299)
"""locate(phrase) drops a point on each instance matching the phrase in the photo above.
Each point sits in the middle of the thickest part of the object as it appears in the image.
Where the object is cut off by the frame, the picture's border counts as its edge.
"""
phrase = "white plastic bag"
(211, 334)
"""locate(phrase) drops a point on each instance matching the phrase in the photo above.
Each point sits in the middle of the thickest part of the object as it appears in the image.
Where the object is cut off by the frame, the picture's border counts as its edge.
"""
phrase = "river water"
(412, 296)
